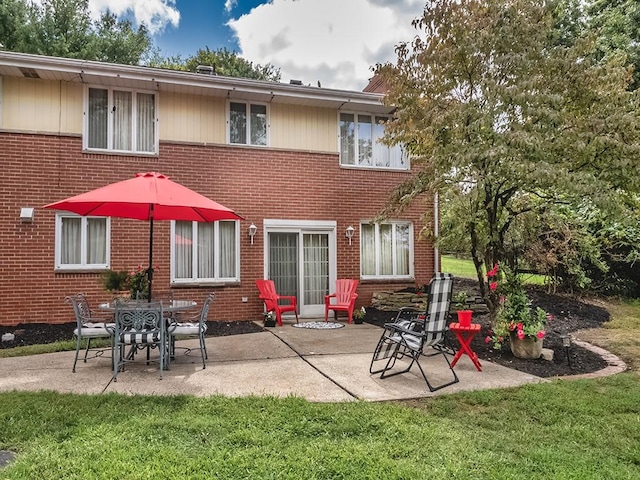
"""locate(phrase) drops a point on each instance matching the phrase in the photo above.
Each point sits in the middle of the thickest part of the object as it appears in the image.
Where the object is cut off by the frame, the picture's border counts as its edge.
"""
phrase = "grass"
(568, 429)
(582, 430)
(460, 267)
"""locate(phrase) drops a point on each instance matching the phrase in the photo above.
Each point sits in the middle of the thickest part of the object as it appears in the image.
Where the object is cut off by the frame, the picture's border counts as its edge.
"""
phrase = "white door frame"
(301, 227)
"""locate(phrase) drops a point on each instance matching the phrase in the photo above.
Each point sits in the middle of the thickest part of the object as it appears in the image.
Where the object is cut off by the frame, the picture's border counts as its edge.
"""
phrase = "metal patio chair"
(412, 332)
(89, 327)
(139, 325)
(195, 326)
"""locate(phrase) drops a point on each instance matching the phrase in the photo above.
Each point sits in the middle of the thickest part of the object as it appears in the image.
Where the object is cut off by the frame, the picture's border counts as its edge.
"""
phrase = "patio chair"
(139, 325)
(89, 327)
(195, 326)
(345, 299)
(411, 333)
(272, 300)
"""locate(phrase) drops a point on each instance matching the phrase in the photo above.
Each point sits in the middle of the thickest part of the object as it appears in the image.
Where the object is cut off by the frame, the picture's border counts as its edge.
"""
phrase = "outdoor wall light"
(26, 214)
(252, 232)
(566, 343)
(349, 233)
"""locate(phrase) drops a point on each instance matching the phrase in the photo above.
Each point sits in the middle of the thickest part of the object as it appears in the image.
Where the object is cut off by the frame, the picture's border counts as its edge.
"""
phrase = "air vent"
(29, 72)
(295, 82)
(206, 69)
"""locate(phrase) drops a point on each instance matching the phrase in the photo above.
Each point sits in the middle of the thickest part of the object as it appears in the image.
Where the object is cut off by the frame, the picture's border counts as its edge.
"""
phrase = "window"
(81, 242)
(205, 252)
(386, 250)
(120, 120)
(360, 143)
(247, 123)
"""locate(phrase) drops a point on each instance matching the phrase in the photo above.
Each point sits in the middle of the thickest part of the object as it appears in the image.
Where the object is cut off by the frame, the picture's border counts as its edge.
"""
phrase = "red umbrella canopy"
(146, 196)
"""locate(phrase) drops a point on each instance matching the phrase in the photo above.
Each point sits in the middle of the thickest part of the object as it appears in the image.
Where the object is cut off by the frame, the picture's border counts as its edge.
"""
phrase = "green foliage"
(514, 314)
(509, 121)
(64, 28)
(460, 300)
(115, 281)
(616, 23)
(225, 63)
(462, 435)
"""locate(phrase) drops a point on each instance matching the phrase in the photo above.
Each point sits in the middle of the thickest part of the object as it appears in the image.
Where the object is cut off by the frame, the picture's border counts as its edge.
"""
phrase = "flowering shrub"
(515, 314)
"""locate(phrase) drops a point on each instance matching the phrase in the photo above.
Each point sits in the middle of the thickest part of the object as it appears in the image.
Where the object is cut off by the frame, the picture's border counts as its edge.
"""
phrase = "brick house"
(300, 163)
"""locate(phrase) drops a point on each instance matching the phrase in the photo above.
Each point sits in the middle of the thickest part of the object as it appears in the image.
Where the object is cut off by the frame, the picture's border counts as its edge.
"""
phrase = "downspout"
(436, 232)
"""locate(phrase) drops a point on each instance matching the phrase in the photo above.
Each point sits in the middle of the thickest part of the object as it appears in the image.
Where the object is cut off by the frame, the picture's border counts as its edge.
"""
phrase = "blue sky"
(334, 42)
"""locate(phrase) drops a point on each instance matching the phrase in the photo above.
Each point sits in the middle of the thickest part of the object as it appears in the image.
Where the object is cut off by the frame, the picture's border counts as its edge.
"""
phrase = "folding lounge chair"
(412, 332)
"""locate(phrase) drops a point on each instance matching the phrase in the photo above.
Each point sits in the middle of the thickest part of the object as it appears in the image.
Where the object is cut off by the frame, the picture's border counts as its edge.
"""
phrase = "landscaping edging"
(614, 363)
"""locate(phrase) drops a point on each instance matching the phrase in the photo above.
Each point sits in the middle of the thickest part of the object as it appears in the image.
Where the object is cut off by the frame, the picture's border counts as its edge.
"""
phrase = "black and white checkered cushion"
(140, 337)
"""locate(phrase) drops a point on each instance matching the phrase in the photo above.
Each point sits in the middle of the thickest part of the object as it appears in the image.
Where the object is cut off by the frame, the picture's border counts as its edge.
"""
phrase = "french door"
(300, 258)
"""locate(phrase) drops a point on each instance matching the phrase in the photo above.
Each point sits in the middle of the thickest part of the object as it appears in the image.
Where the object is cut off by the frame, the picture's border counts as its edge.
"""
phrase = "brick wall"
(255, 183)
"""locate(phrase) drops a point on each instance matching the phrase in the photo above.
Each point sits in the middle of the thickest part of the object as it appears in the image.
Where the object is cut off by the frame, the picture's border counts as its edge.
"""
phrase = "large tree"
(224, 61)
(64, 28)
(496, 110)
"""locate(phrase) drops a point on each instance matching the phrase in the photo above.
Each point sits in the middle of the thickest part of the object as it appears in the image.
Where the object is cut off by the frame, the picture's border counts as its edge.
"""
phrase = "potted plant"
(358, 315)
(139, 283)
(115, 281)
(517, 322)
(462, 307)
(269, 319)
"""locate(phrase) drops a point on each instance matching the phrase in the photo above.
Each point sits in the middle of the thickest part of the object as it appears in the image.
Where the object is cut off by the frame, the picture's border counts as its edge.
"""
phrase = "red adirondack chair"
(271, 300)
(345, 297)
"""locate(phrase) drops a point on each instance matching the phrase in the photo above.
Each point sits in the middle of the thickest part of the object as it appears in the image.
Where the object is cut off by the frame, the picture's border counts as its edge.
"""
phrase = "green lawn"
(464, 268)
(565, 429)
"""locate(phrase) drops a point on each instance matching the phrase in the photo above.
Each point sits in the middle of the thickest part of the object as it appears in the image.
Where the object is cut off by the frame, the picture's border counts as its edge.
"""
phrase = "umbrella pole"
(150, 269)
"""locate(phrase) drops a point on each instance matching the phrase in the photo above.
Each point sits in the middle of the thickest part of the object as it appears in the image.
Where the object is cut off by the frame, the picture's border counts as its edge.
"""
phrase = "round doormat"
(319, 325)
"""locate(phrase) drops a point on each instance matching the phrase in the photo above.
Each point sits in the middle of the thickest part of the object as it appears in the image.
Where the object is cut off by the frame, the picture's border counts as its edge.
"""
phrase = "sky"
(334, 42)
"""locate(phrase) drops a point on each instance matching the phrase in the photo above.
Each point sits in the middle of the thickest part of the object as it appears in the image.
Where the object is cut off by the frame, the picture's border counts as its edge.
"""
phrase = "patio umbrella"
(147, 196)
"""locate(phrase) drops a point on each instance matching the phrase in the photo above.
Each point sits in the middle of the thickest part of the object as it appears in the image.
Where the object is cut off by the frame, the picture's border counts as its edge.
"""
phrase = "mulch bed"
(570, 314)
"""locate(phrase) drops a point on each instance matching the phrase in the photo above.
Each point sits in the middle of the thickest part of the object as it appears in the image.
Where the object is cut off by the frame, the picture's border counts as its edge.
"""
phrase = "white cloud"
(331, 41)
(155, 14)
(229, 4)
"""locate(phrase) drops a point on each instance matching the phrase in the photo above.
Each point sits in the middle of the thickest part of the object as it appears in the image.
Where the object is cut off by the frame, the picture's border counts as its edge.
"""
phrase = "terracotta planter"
(464, 317)
(528, 347)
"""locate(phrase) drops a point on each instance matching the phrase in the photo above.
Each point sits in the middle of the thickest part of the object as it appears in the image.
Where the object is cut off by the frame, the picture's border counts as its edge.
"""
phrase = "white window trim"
(356, 164)
(200, 281)
(134, 119)
(58, 244)
(228, 120)
(378, 276)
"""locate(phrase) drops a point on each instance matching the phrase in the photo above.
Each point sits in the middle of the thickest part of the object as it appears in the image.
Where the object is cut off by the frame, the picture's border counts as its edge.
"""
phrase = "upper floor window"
(360, 143)
(82, 243)
(120, 120)
(386, 250)
(205, 252)
(247, 123)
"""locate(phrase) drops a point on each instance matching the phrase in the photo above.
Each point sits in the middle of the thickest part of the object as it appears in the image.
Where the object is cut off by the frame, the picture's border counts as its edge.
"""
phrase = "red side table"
(465, 335)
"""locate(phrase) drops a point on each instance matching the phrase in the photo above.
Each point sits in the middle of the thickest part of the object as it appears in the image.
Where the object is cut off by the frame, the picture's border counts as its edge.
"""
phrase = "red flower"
(487, 339)
(520, 334)
(541, 334)
(549, 317)
(520, 326)
(493, 286)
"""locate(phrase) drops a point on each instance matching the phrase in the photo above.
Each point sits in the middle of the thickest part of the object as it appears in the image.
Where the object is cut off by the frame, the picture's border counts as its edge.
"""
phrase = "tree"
(225, 63)
(509, 119)
(617, 26)
(64, 28)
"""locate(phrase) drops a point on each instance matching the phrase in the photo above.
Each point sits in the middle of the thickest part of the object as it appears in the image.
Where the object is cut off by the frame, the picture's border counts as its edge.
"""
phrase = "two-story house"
(302, 164)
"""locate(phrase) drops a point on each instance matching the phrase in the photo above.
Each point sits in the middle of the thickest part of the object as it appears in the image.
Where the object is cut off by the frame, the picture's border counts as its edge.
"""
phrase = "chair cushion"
(94, 330)
(149, 336)
(184, 329)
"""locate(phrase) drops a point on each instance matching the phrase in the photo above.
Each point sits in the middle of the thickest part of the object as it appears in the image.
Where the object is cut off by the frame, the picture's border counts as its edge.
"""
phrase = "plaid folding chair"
(412, 332)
